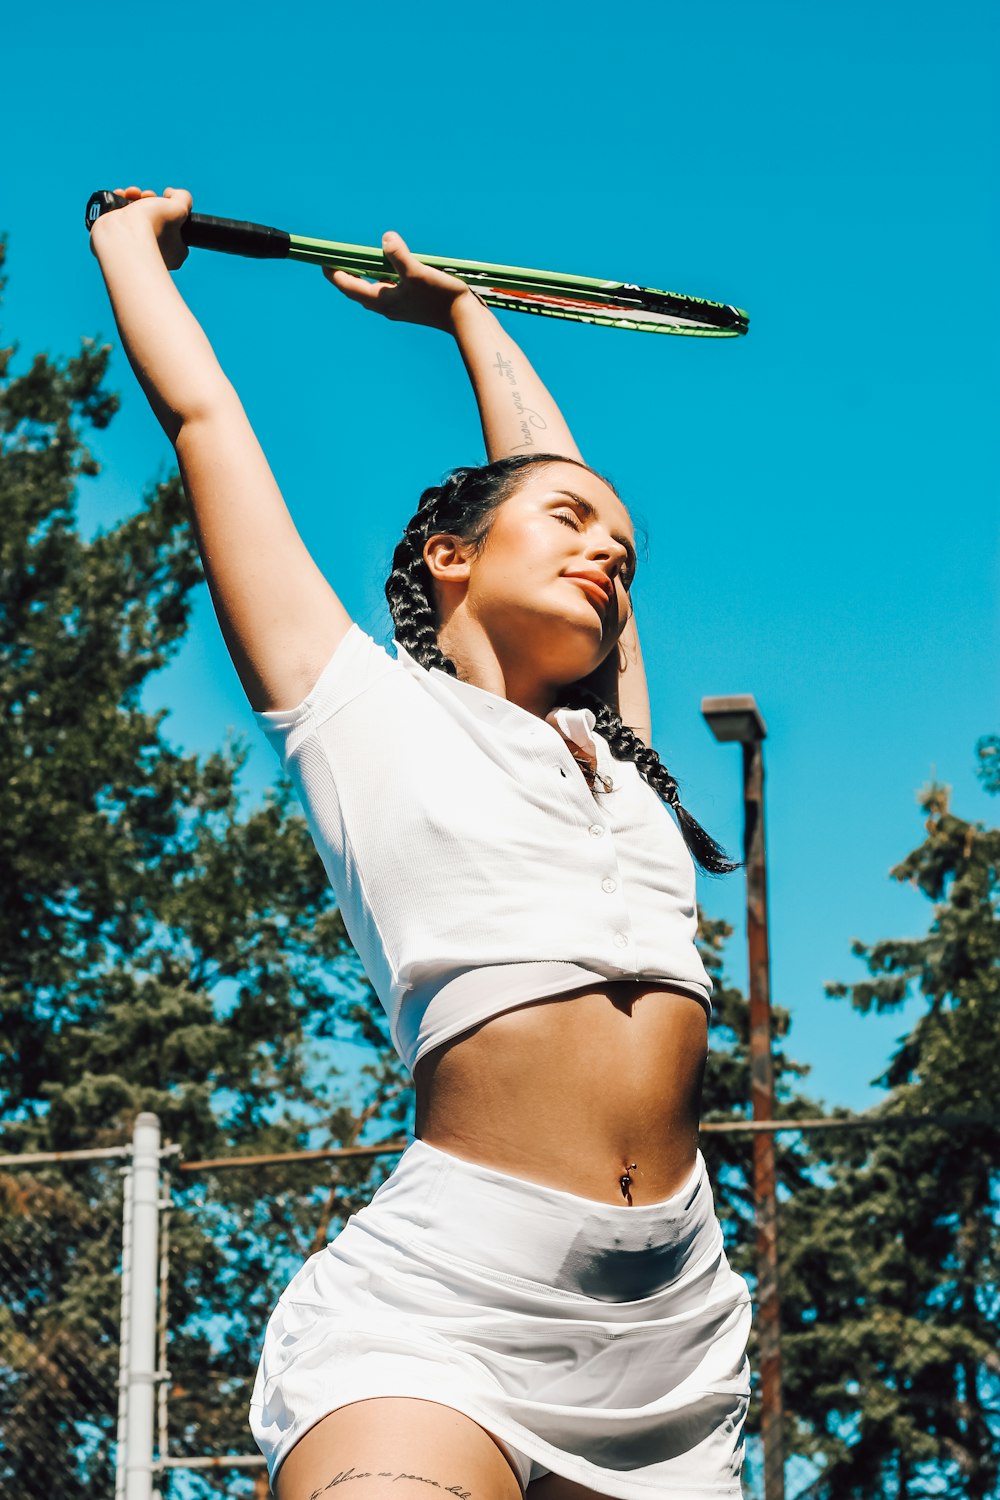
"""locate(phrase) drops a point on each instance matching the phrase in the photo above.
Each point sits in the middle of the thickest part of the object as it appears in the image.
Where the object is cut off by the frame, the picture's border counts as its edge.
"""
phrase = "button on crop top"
(474, 868)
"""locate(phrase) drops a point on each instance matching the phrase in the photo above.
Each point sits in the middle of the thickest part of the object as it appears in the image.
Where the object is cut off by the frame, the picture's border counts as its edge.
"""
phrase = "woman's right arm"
(280, 618)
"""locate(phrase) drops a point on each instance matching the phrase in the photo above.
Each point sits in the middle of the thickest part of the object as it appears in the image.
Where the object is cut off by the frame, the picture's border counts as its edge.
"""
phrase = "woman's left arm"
(516, 410)
(518, 415)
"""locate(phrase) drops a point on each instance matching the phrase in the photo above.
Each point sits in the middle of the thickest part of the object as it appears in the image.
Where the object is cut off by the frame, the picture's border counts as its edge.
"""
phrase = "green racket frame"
(551, 294)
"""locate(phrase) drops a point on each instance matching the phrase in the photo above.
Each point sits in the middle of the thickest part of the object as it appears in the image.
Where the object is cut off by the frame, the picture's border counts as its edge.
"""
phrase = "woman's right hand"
(165, 215)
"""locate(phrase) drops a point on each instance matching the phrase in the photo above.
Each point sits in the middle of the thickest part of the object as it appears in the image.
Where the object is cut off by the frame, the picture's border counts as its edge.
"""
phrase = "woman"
(538, 1296)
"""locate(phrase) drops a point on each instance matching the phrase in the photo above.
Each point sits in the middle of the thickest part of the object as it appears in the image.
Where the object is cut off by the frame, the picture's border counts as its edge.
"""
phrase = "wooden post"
(762, 1097)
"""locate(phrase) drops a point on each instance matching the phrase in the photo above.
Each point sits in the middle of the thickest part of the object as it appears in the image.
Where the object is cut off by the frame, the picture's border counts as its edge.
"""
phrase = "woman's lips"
(599, 595)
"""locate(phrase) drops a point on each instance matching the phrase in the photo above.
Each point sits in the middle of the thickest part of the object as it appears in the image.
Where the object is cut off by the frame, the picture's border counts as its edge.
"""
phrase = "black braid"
(465, 506)
(625, 744)
(408, 590)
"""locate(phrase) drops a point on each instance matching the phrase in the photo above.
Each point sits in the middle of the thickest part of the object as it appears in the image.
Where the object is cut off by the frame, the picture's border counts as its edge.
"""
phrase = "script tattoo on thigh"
(394, 1475)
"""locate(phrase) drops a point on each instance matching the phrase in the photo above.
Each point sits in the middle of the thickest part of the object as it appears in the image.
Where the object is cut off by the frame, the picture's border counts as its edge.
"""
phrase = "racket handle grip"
(201, 232)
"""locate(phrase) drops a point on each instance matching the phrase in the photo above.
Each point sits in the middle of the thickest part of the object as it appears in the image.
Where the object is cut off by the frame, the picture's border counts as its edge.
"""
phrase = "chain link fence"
(887, 1278)
(60, 1296)
(237, 1230)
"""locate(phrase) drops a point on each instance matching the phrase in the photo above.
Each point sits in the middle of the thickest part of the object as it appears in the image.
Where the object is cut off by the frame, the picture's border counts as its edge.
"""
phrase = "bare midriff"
(577, 1092)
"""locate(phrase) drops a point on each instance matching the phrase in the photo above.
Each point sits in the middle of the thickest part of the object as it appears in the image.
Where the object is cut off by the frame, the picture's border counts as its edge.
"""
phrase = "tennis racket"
(583, 299)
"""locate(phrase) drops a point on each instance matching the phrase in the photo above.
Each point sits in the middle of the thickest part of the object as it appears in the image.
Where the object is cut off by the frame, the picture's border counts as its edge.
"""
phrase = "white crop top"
(474, 868)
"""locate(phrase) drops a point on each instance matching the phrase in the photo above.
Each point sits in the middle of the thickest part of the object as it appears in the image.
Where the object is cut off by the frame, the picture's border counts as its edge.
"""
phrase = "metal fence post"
(141, 1372)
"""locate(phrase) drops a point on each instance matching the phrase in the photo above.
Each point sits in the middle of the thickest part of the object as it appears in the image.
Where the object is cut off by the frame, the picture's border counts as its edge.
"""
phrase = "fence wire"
(237, 1233)
(889, 1298)
(60, 1290)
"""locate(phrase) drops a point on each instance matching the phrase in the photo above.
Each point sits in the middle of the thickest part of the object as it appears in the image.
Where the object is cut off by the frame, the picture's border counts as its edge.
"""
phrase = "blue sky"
(820, 498)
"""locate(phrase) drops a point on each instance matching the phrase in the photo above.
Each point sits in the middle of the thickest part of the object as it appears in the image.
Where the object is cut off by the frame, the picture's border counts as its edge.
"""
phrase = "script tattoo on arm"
(347, 1474)
(529, 420)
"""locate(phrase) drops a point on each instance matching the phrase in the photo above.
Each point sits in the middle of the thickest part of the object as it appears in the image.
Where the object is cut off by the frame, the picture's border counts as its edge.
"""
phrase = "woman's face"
(552, 578)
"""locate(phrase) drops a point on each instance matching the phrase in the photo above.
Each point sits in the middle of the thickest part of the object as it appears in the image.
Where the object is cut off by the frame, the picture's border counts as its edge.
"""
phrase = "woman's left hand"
(422, 295)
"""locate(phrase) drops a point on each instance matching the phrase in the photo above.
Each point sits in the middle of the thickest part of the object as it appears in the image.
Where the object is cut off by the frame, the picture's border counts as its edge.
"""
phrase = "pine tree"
(897, 1265)
(799, 1167)
(726, 1098)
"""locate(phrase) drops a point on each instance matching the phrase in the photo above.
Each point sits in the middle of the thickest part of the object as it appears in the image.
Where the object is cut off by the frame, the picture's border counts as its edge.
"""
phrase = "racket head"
(578, 299)
(674, 314)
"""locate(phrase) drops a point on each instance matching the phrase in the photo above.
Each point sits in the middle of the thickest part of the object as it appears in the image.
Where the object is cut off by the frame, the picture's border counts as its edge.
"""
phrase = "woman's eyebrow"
(589, 511)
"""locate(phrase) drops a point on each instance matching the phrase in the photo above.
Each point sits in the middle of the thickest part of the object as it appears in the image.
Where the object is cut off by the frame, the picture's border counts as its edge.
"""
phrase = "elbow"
(202, 409)
(199, 407)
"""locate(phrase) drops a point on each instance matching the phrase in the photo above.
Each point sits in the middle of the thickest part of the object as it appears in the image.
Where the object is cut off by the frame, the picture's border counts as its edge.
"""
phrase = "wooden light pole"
(737, 719)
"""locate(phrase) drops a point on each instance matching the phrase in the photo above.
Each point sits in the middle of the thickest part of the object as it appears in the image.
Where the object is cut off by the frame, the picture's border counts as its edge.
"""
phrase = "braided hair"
(464, 506)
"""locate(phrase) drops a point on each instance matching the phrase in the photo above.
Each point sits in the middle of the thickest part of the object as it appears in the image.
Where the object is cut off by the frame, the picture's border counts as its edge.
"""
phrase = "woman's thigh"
(399, 1447)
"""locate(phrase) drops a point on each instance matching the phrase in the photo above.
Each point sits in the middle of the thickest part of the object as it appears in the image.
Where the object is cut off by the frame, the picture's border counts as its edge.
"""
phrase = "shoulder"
(356, 664)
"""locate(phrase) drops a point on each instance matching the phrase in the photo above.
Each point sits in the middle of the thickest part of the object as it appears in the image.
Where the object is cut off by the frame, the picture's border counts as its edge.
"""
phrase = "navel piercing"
(625, 1181)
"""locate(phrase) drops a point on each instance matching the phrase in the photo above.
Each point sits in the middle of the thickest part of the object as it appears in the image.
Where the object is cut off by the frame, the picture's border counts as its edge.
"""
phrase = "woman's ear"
(448, 558)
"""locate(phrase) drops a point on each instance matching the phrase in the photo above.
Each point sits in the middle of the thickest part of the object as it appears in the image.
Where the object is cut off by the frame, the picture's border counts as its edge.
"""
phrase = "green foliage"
(159, 950)
(59, 1246)
(726, 1098)
(730, 1157)
(988, 755)
(893, 1318)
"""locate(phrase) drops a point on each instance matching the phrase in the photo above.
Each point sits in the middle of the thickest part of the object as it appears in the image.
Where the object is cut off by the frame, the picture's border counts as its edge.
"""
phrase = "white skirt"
(601, 1342)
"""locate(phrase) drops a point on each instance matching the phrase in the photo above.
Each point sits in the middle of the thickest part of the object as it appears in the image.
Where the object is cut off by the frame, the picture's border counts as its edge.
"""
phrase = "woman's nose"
(610, 549)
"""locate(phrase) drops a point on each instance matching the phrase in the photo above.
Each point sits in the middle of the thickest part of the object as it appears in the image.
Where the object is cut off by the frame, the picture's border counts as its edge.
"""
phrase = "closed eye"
(570, 518)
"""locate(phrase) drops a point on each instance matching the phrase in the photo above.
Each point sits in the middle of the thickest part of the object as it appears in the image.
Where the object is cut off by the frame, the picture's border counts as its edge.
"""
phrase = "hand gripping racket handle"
(201, 232)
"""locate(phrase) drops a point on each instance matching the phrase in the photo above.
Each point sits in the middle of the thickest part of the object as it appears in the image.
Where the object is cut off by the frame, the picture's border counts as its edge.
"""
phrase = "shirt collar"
(576, 724)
